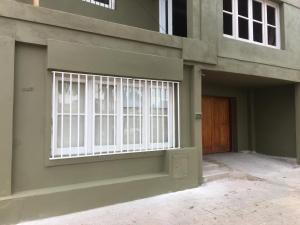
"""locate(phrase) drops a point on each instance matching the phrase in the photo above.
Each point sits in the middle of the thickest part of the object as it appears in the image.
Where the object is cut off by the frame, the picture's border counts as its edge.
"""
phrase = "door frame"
(233, 124)
(166, 16)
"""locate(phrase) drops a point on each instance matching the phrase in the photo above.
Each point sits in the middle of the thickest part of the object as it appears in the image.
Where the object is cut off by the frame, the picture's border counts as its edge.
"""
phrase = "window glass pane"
(78, 137)
(132, 109)
(99, 97)
(257, 32)
(131, 133)
(160, 122)
(104, 98)
(66, 131)
(257, 10)
(126, 130)
(227, 26)
(63, 139)
(68, 99)
(157, 126)
(271, 36)
(243, 28)
(127, 94)
(99, 131)
(159, 100)
(227, 5)
(65, 97)
(76, 97)
(271, 15)
(243, 7)
(166, 129)
(138, 95)
(153, 101)
(107, 135)
(159, 115)
(165, 101)
(137, 130)
(133, 99)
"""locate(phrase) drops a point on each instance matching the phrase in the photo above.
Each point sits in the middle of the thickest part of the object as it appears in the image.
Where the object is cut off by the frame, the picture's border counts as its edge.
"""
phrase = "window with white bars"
(110, 4)
(103, 115)
(255, 21)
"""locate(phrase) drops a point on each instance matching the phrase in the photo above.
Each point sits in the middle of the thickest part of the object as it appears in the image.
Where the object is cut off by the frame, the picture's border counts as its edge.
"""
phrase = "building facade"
(108, 101)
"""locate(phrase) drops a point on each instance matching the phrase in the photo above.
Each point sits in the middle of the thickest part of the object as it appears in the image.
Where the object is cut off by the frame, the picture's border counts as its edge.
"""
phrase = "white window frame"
(166, 16)
(110, 5)
(235, 25)
(146, 142)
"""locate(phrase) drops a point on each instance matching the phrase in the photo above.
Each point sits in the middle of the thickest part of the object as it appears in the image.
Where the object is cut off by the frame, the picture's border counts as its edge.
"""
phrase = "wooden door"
(215, 124)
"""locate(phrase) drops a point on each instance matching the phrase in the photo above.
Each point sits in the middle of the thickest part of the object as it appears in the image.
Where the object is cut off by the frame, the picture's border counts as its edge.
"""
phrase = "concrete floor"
(260, 190)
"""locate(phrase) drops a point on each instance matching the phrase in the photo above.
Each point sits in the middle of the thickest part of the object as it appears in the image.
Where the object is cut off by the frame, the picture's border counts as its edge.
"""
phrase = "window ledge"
(103, 158)
(226, 37)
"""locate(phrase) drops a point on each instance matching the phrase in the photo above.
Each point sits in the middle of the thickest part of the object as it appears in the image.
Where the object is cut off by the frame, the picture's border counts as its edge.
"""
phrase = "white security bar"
(109, 4)
(96, 115)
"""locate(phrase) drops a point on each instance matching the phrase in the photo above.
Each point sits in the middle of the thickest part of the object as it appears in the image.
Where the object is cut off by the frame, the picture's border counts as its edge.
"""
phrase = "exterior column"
(196, 105)
(193, 19)
(252, 138)
(199, 14)
(7, 55)
(297, 115)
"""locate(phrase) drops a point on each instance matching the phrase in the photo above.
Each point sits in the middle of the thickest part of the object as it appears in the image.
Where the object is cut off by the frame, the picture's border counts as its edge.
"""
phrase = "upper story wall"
(207, 44)
(137, 13)
(287, 56)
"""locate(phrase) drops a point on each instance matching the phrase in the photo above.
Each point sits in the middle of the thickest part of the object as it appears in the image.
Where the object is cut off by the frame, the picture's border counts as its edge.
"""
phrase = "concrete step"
(209, 166)
(215, 174)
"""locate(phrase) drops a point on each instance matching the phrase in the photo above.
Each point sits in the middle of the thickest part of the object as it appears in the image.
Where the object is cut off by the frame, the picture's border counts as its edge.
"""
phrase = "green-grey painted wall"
(137, 13)
(32, 126)
(240, 125)
(35, 181)
(297, 120)
(7, 53)
(200, 14)
(38, 181)
(287, 57)
(275, 121)
(186, 118)
(33, 111)
(270, 128)
(90, 59)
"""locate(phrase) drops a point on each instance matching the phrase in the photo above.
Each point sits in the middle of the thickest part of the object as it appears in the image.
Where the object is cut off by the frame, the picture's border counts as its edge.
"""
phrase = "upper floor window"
(166, 16)
(173, 17)
(110, 4)
(256, 21)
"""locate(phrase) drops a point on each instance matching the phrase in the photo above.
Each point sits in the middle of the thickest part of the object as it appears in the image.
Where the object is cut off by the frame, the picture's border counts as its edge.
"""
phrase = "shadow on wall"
(275, 125)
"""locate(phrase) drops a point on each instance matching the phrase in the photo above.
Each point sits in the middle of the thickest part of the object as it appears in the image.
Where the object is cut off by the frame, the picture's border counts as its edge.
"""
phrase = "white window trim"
(90, 148)
(166, 21)
(235, 28)
(110, 5)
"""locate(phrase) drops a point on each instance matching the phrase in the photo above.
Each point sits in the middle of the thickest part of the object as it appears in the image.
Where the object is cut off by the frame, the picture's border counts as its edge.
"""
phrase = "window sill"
(103, 158)
(250, 42)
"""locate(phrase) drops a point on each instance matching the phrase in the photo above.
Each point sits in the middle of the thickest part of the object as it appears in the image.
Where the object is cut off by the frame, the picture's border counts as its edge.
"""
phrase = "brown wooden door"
(215, 124)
